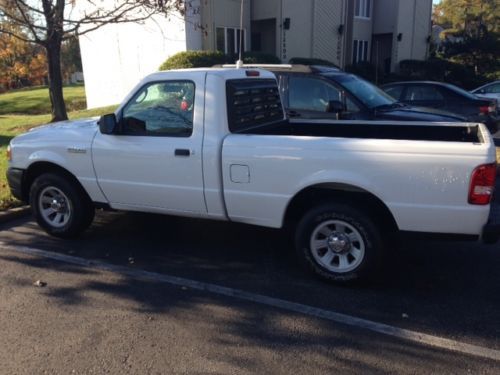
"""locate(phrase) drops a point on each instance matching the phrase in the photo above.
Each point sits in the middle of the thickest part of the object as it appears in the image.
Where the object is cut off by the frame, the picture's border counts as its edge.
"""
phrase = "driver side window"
(310, 94)
(313, 94)
(161, 109)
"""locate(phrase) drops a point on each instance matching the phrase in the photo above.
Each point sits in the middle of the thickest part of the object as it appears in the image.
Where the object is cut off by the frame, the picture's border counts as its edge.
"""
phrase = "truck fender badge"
(76, 150)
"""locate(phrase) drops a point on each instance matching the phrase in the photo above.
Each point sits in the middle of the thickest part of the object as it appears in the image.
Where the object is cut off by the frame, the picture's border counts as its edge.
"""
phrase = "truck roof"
(224, 73)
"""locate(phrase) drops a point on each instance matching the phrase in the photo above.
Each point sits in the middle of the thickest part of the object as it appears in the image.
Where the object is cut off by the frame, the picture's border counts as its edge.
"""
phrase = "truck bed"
(421, 171)
(415, 131)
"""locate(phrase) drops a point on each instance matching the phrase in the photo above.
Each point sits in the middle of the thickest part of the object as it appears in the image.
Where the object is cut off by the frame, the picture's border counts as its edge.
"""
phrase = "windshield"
(367, 93)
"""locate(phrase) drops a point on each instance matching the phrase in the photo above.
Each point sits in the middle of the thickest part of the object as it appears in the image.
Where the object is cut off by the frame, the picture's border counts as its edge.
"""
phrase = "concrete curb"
(14, 213)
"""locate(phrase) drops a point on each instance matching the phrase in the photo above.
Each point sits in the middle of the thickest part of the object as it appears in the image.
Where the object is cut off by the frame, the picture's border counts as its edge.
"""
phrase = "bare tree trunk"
(54, 16)
(55, 81)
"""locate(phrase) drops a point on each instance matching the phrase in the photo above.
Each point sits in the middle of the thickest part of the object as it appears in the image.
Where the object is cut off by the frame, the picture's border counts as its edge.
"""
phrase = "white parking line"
(353, 321)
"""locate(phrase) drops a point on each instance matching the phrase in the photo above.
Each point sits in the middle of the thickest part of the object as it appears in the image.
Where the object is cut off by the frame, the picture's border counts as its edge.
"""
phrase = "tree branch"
(18, 36)
(29, 7)
(28, 22)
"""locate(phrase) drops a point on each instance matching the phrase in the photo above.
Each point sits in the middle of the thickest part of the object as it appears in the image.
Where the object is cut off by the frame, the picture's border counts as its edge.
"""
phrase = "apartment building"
(383, 32)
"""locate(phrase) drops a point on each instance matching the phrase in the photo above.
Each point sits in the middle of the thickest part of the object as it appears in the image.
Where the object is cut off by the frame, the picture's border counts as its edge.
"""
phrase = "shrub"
(493, 76)
(311, 61)
(194, 59)
(206, 59)
(463, 76)
(432, 69)
(363, 69)
(440, 70)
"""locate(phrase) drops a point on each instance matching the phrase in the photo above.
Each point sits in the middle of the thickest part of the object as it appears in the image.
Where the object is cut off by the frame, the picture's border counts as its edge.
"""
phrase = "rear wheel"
(60, 207)
(338, 243)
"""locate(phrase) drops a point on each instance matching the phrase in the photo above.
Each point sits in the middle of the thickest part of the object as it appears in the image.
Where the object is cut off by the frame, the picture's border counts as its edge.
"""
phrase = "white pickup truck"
(214, 144)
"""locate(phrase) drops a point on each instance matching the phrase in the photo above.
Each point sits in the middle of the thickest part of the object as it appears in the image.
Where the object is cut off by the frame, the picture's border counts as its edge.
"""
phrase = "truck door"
(154, 160)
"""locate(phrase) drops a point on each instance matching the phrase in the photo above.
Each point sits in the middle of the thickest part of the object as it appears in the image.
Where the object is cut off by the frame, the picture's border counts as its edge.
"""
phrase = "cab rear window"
(251, 103)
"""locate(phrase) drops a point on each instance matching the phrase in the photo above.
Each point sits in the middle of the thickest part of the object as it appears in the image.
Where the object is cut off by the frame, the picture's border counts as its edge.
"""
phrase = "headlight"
(9, 153)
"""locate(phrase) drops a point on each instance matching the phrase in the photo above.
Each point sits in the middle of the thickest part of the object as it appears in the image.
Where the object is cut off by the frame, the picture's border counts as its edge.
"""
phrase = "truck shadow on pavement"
(243, 335)
(448, 289)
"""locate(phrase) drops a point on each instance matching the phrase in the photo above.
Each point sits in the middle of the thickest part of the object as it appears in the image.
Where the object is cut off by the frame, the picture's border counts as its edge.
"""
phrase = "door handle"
(293, 114)
(182, 152)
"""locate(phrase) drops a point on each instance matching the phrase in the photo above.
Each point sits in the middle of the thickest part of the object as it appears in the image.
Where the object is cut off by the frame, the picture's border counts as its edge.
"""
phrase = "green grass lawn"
(36, 101)
(24, 109)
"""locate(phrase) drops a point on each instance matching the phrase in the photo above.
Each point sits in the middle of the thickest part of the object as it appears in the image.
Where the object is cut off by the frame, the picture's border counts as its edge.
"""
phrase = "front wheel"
(60, 207)
(338, 243)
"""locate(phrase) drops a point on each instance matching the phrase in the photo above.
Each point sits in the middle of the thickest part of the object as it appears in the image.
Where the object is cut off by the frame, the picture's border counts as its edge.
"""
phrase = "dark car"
(446, 97)
(319, 92)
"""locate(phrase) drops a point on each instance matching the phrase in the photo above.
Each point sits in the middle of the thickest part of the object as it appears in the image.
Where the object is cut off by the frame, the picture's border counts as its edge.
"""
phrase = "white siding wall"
(414, 23)
(116, 57)
(402, 49)
(385, 13)
(296, 42)
(313, 29)
(265, 9)
(224, 13)
(194, 26)
(362, 29)
(422, 30)
(326, 38)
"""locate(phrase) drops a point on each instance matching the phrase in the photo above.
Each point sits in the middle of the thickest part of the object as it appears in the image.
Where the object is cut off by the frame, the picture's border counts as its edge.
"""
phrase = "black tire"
(365, 230)
(75, 204)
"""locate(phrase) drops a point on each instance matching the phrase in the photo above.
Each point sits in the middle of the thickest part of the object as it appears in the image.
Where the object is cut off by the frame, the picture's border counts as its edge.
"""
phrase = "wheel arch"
(355, 196)
(40, 167)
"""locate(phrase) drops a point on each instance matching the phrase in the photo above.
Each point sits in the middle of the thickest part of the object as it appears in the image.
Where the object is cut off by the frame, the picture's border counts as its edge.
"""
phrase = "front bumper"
(15, 177)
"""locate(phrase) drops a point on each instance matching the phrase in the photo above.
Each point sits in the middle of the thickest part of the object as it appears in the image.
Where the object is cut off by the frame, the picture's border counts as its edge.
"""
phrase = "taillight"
(9, 153)
(487, 109)
(482, 184)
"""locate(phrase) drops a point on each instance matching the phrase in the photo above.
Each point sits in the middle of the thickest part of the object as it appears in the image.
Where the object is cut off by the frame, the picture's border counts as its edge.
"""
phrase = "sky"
(436, 1)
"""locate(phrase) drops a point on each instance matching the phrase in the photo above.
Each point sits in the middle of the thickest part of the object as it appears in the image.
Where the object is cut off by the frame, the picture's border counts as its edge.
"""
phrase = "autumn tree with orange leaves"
(49, 23)
(21, 63)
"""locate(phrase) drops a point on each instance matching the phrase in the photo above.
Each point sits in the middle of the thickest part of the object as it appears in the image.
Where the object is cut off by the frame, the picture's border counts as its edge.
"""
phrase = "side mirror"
(335, 106)
(108, 124)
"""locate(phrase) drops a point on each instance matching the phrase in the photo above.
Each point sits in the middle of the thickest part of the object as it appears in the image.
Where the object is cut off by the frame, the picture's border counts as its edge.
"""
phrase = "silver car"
(490, 90)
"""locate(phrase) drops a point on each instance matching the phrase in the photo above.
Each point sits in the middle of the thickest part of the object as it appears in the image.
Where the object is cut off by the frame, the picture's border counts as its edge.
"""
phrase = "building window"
(363, 8)
(359, 51)
(228, 40)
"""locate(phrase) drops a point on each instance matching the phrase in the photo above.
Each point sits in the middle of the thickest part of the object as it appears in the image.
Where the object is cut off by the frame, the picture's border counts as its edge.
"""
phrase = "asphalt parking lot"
(448, 290)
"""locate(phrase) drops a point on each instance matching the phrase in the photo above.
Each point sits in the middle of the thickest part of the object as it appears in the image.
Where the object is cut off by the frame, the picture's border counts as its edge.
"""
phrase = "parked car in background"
(325, 92)
(319, 92)
(490, 90)
(447, 97)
